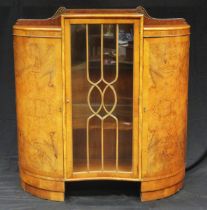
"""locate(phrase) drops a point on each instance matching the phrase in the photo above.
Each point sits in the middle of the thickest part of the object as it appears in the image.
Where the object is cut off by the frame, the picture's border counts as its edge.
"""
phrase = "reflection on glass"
(125, 96)
(94, 51)
(95, 144)
(109, 52)
(125, 43)
(102, 97)
(80, 110)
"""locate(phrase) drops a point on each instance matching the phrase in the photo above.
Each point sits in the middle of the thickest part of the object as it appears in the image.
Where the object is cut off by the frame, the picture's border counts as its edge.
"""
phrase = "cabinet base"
(163, 193)
(41, 193)
(161, 188)
(54, 190)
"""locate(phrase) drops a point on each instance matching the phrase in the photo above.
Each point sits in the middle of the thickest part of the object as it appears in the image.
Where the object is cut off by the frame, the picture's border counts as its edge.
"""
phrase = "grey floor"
(101, 195)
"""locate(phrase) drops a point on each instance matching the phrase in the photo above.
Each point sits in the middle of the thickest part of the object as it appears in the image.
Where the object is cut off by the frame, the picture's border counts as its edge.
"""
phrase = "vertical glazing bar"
(87, 70)
(102, 130)
(102, 51)
(117, 71)
(102, 145)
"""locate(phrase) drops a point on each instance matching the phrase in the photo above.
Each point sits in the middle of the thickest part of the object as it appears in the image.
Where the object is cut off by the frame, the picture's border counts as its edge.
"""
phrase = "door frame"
(137, 21)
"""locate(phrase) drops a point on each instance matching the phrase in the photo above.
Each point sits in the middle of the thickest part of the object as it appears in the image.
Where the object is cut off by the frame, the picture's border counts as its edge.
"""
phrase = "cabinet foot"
(42, 188)
(42, 193)
(161, 188)
(158, 194)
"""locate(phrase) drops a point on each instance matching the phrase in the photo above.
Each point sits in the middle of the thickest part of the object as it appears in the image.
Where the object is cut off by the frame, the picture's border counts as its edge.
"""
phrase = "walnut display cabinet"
(101, 95)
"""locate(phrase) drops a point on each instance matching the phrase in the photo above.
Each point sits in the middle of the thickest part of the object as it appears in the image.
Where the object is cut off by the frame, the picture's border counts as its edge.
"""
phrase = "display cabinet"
(101, 95)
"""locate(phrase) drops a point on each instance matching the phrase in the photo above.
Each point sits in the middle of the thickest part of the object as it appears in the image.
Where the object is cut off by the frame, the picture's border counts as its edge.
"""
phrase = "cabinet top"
(150, 24)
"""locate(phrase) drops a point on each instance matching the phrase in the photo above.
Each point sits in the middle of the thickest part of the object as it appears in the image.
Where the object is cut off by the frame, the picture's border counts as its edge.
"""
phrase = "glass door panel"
(102, 97)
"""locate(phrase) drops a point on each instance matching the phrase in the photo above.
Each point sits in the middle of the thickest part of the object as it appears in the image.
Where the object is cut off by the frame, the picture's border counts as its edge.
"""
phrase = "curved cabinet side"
(165, 81)
(38, 78)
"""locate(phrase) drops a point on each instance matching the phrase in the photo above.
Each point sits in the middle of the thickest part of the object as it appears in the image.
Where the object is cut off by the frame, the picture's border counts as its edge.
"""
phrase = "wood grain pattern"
(166, 76)
(39, 105)
(44, 102)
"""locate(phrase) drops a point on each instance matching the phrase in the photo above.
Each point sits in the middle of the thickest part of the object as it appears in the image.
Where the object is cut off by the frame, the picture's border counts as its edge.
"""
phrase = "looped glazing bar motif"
(108, 85)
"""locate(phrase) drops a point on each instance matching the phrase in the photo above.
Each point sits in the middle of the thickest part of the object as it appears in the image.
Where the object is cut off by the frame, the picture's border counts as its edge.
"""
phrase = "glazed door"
(102, 89)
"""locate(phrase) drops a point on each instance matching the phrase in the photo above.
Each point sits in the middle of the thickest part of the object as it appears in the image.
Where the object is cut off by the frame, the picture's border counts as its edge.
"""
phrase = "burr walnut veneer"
(101, 95)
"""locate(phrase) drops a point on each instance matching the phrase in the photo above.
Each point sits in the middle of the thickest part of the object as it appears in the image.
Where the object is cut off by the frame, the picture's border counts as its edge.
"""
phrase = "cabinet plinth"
(101, 95)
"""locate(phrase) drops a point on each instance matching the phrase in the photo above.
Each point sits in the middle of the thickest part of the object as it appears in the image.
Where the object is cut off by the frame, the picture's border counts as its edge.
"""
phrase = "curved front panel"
(165, 90)
(39, 105)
